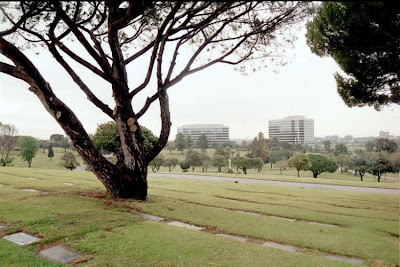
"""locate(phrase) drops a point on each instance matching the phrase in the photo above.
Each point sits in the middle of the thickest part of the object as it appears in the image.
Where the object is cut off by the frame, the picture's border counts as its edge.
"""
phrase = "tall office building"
(217, 134)
(292, 129)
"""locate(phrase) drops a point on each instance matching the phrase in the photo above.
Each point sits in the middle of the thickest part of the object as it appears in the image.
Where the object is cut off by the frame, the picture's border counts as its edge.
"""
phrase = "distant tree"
(273, 144)
(185, 166)
(237, 154)
(320, 164)
(7, 142)
(193, 158)
(281, 165)
(299, 162)
(188, 142)
(384, 144)
(28, 147)
(380, 164)
(205, 161)
(56, 139)
(340, 149)
(202, 143)
(381, 144)
(343, 161)
(170, 163)
(277, 155)
(395, 160)
(371, 64)
(50, 153)
(180, 142)
(247, 163)
(156, 163)
(68, 160)
(259, 147)
(257, 163)
(220, 162)
(361, 163)
(327, 145)
(170, 146)
(43, 145)
(107, 139)
(65, 143)
(370, 145)
(223, 151)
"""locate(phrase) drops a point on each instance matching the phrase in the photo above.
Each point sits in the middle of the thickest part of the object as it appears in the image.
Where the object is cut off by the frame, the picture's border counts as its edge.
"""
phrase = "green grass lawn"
(107, 231)
(290, 175)
(41, 160)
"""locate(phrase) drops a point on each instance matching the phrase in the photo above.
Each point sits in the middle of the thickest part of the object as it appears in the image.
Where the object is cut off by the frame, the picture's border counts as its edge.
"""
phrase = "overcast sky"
(218, 95)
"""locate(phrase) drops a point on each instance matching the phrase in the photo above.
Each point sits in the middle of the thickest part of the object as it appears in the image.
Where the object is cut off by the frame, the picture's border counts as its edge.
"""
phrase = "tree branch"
(103, 62)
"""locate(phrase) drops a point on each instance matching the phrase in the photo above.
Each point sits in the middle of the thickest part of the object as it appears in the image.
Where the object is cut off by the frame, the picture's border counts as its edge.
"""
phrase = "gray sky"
(219, 94)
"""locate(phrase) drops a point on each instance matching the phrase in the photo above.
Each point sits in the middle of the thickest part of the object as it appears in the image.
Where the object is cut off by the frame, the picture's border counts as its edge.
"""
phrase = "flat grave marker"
(185, 225)
(21, 238)
(238, 238)
(151, 217)
(345, 259)
(60, 254)
(280, 246)
(29, 190)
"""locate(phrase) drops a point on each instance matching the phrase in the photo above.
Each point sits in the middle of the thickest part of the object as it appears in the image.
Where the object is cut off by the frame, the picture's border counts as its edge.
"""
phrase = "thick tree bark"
(298, 173)
(315, 174)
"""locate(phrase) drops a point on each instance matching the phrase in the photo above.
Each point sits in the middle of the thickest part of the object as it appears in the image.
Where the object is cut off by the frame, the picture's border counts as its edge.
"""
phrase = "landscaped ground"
(107, 231)
(41, 160)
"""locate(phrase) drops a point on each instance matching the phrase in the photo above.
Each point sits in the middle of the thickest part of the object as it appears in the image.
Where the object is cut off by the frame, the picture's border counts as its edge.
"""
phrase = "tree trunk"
(29, 163)
(341, 169)
(361, 176)
(379, 177)
(280, 170)
(219, 169)
(271, 166)
(315, 174)
(245, 170)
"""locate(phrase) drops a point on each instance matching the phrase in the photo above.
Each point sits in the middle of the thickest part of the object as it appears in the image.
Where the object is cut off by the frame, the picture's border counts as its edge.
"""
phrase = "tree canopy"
(69, 161)
(320, 164)
(7, 142)
(299, 162)
(28, 147)
(363, 38)
(108, 139)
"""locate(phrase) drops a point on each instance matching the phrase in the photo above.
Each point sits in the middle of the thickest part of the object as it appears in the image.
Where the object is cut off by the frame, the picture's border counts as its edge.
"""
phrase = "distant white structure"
(292, 129)
(332, 138)
(217, 134)
(383, 134)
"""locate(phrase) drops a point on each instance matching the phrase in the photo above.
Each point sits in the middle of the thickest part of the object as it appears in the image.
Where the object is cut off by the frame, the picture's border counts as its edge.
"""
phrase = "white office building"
(292, 129)
(217, 134)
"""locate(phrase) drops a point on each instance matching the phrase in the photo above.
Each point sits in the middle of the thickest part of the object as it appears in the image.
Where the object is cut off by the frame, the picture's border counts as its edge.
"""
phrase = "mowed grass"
(290, 175)
(41, 160)
(107, 231)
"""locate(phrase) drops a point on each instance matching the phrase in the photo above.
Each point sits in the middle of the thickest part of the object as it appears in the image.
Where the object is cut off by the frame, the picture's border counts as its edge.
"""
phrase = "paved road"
(279, 183)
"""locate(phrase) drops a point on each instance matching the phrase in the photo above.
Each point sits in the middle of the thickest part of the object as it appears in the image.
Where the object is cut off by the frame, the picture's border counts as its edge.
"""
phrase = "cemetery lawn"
(290, 175)
(82, 216)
